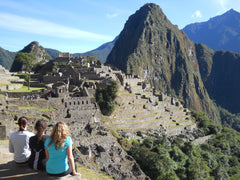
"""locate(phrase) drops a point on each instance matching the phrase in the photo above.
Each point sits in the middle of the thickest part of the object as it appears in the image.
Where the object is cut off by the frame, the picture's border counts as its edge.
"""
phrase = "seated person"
(19, 142)
(58, 148)
(38, 159)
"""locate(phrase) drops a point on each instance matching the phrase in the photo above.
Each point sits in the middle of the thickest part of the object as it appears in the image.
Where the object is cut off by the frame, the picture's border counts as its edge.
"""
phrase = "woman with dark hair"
(58, 148)
(37, 159)
(19, 142)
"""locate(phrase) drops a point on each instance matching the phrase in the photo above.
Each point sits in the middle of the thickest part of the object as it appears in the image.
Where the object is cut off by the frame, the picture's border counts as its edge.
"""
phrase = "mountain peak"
(219, 33)
(152, 48)
(232, 11)
(34, 48)
(228, 15)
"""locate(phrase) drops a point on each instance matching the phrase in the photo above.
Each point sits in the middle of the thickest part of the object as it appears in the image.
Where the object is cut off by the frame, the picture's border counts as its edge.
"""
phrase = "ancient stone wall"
(77, 102)
(47, 79)
(23, 95)
(7, 125)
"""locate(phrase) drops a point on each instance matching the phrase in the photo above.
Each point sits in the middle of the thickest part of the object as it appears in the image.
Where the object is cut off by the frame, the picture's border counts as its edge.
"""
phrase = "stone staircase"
(136, 112)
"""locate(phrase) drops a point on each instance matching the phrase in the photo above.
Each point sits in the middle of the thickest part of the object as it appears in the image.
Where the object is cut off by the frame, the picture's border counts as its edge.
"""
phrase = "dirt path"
(9, 170)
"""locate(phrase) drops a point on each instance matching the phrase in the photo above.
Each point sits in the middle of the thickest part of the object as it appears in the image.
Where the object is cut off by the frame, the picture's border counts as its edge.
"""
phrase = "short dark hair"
(22, 121)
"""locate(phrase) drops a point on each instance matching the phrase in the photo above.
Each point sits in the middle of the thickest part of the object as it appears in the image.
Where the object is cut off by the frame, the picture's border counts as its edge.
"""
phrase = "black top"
(37, 159)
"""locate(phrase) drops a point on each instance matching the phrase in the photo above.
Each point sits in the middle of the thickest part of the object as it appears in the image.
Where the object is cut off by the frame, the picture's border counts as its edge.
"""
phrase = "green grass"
(92, 175)
(47, 109)
(26, 107)
(4, 84)
(33, 107)
(25, 89)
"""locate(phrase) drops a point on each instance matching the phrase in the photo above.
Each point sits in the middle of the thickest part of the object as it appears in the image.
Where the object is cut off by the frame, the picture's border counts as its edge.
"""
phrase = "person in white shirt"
(19, 142)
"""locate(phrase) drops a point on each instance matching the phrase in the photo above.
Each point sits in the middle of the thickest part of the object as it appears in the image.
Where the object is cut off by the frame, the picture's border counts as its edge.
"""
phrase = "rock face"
(151, 47)
(219, 33)
(33, 48)
(106, 155)
(3, 70)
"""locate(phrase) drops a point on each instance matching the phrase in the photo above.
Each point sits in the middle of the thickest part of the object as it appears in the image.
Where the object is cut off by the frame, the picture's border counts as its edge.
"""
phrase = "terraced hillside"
(144, 111)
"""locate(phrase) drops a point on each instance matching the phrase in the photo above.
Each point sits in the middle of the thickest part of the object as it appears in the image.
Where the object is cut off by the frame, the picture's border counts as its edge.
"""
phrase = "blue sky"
(82, 25)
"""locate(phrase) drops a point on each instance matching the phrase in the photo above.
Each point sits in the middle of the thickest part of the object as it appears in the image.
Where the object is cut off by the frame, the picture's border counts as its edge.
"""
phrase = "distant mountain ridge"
(219, 33)
(52, 52)
(101, 52)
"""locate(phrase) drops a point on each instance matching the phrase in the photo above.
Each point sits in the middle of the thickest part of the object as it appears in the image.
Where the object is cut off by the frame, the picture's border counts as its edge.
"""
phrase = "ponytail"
(40, 127)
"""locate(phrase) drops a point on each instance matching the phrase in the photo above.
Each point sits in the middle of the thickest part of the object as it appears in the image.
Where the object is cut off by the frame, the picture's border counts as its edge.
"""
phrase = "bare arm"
(71, 159)
(47, 154)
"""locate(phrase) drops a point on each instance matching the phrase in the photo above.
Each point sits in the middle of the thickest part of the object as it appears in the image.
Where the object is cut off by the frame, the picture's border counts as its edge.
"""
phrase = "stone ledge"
(9, 170)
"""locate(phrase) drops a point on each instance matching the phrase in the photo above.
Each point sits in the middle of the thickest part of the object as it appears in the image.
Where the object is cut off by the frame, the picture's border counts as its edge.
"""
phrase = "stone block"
(2, 132)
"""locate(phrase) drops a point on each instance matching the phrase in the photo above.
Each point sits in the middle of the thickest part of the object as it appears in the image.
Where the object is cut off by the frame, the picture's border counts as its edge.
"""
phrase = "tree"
(106, 97)
(28, 61)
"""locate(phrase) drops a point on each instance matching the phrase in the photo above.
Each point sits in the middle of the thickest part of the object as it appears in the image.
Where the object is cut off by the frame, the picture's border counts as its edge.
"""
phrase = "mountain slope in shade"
(6, 58)
(151, 47)
(219, 33)
(220, 74)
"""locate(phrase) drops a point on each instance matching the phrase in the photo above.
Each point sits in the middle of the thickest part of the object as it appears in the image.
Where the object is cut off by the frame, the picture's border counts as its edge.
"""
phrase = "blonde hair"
(59, 134)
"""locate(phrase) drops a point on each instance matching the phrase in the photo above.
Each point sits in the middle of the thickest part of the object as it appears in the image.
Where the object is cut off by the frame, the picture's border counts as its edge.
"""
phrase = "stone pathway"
(9, 170)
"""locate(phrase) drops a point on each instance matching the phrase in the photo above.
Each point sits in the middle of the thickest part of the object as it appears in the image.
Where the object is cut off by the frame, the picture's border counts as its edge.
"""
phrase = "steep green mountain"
(6, 58)
(220, 74)
(101, 52)
(33, 48)
(219, 33)
(151, 47)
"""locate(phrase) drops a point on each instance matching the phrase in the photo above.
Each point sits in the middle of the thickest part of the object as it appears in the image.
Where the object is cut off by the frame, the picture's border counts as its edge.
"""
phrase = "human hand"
(76, 174)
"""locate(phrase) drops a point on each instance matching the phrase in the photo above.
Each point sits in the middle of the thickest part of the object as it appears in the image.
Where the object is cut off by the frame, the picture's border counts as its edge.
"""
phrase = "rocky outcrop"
(35, 49)
(102, 153)
(3, 70)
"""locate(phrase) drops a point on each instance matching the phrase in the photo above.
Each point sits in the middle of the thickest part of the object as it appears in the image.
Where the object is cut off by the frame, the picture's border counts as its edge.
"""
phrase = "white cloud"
(46, 28)
(110, 16)
(224, 5)
(197, 14)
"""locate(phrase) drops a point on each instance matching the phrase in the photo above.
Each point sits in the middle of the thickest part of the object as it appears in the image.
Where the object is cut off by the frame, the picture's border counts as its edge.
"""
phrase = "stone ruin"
(71, 94)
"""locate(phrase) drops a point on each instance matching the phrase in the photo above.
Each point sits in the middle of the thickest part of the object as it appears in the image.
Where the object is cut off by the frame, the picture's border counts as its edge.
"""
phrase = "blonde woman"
(58, 150)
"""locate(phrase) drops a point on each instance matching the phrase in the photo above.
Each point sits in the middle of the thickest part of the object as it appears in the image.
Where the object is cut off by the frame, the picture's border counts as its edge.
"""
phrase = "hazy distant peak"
(232, 11)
